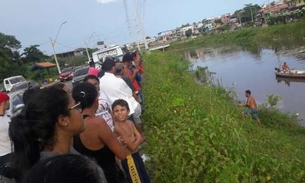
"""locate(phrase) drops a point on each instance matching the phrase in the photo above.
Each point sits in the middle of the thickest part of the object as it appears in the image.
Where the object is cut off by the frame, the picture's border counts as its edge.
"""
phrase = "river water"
(240, 70)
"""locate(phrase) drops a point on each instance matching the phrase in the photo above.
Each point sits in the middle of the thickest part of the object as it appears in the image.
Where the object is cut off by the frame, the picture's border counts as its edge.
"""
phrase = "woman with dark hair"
(98, 141)
(44, 128)
(69, 168)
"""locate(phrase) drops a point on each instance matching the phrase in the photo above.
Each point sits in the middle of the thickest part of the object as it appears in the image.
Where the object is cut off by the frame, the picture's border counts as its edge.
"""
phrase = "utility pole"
(140, 24)
(86, 46)
(130, 25)
(53, 46)
(55, 57)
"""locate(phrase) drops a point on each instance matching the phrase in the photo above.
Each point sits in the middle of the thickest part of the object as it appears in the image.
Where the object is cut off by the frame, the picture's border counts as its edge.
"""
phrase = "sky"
(34, 22)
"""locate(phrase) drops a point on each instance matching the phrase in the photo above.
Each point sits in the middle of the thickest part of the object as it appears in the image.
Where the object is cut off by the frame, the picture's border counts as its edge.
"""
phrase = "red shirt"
(140, 67)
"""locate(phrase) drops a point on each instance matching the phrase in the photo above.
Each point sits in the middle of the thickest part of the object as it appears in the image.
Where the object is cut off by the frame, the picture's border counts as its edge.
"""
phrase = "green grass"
(195, 133)
(288, 34)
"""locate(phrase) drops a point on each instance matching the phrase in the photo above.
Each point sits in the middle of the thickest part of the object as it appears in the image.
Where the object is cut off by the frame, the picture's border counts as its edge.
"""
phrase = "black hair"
(29, 93)
(127, 57)
(91, 64)
(34, 128)
(108, 64)
(120, 102)
(59, 86)
(133, 55)
(85, 93)
(248, 92)
(91, 77)
(68, 168)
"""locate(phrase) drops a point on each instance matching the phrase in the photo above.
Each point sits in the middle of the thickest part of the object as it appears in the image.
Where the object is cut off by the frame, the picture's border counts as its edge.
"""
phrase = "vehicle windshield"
(81, 71)
(69, 69)
(17, 80)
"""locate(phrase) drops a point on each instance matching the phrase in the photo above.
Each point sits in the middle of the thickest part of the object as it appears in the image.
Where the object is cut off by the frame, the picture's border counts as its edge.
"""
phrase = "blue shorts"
(252, 112)
(134, 168)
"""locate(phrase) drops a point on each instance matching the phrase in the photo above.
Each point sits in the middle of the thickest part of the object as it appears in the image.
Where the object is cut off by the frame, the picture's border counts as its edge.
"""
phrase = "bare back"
(251, 104)
(91, 136)
(97, 135)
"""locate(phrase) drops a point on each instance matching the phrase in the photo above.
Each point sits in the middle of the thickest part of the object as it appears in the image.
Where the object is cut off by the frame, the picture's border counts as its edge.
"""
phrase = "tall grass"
(195, 133)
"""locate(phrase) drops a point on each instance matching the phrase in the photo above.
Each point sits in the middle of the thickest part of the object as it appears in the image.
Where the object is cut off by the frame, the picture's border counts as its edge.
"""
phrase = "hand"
(136, 70)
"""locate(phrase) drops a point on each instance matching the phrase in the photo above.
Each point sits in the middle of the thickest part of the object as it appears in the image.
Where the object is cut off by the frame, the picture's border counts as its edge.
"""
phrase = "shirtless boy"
(125, 129)
(252, 107)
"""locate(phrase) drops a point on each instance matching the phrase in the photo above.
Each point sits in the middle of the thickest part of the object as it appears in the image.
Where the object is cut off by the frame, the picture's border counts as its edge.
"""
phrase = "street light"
(53, 46)
(87, 46)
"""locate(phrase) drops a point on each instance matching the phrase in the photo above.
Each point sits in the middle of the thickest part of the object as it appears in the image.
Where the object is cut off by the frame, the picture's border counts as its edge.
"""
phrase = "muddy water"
(240, 70)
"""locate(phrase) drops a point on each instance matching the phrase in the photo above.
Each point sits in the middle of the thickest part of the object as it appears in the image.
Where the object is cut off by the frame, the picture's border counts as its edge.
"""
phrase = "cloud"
(105, 1)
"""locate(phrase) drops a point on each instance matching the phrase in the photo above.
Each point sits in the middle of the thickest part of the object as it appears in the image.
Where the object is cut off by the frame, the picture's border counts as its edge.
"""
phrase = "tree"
(9, 56)
(188, 33)
(245, 14)
(33, 54)
(218, 21)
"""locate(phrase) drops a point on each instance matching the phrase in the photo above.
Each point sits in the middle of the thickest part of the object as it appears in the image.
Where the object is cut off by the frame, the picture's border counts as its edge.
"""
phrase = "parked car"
(66, 74)
(10, 82)
(24, 85)
(79, 75)
(16, 102)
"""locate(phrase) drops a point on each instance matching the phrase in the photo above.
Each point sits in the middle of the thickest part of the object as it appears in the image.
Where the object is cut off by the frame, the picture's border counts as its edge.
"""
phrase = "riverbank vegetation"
(276, 35)
(195, 133)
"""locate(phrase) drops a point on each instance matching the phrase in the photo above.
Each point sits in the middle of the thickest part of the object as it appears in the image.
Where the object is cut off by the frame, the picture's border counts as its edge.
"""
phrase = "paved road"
(68, 84)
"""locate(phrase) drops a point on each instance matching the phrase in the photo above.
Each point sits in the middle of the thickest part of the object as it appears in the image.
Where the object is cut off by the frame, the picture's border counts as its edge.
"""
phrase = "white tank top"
(5, 143)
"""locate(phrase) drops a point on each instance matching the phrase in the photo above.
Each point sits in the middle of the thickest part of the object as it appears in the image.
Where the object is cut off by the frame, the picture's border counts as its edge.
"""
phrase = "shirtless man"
(252, 107)
(133, 165)
(285, 67)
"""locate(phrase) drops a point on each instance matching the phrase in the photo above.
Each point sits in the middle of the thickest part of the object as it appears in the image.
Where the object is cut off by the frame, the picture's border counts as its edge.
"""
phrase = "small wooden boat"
(291, 74)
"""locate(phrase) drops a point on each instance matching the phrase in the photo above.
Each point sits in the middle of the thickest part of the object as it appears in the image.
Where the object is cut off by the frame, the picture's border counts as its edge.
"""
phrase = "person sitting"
(285, 67)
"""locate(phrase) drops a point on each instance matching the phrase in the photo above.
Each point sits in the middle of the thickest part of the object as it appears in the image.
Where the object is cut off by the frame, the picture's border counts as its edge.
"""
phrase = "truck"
(115, 51)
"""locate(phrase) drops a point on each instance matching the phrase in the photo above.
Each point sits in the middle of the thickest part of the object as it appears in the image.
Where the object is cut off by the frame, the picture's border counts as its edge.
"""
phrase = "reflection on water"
(287, 81)
(253, 69)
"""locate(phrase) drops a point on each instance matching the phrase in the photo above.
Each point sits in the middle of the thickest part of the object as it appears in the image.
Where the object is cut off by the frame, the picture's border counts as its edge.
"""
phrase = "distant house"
(273, 8)
(225, 18)
(186, 28)
(295, 3)
(69, 54)
(166, 35)
(209, 24)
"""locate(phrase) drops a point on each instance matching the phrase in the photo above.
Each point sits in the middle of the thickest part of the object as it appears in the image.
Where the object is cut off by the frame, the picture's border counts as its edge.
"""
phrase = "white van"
(10, 82)
(115, 51)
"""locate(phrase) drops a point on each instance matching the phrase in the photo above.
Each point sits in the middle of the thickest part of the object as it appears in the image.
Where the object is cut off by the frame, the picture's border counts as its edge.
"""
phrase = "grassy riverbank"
(288, 34)
(195, 132)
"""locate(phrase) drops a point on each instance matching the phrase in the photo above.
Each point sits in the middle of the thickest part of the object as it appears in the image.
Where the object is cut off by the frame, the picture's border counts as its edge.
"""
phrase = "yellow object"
(133, 170)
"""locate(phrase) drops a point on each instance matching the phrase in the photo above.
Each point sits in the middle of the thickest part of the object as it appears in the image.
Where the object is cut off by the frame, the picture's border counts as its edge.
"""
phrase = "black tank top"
(105, 158)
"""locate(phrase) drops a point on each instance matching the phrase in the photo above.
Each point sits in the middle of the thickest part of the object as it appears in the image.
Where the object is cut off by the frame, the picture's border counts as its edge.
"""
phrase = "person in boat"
(285, 67)
(252, 107)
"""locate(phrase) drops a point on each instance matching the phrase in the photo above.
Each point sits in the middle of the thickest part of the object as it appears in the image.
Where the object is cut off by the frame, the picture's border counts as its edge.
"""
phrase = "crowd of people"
(89, 134)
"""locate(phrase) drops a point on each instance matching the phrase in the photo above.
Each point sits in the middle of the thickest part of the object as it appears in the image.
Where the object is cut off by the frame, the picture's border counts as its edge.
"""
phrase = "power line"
(61, 44)
(144, 8)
